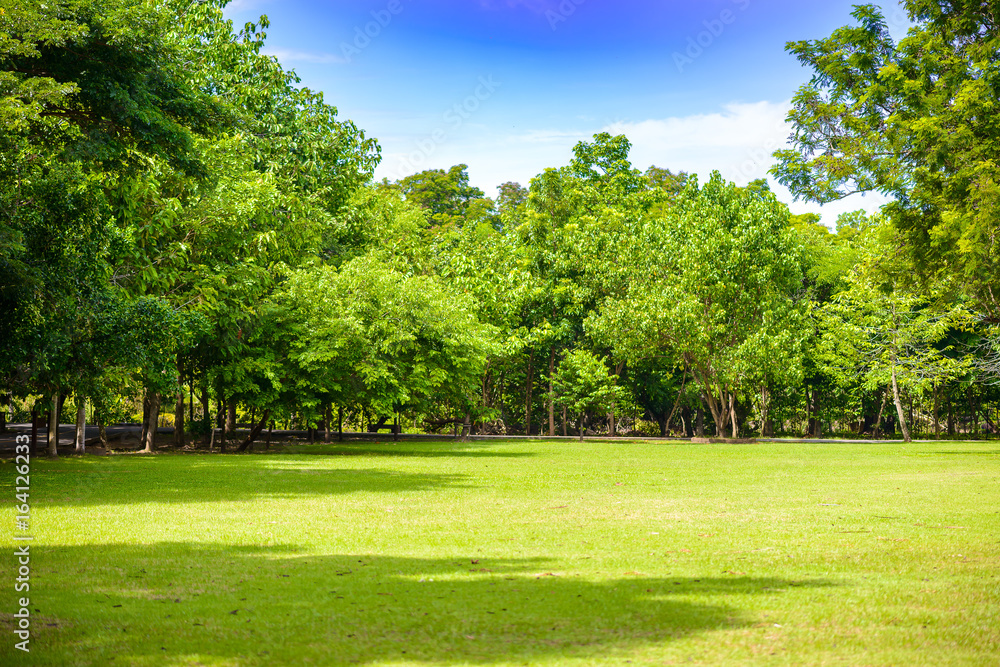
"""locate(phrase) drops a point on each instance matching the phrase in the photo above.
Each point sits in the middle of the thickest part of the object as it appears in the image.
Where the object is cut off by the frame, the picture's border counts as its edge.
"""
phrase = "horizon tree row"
(181, 222)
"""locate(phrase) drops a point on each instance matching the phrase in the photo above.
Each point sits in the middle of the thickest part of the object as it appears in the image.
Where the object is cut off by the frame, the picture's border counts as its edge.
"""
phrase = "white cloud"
(237, 6)
(737, 141)
(290, 56)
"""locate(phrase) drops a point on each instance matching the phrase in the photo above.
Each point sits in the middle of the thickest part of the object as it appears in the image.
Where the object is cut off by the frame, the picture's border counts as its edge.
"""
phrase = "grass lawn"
(513, 553)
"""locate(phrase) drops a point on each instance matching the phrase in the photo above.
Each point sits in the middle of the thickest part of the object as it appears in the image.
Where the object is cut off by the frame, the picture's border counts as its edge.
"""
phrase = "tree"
(666, 180)
(915, 121)
(886, 334)
(711, 286)
(447, 196)
(378, 337)
(582, 384)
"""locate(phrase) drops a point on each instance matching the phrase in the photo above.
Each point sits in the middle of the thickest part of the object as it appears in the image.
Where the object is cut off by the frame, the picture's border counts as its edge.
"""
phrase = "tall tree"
(914, 120)
(712, 286)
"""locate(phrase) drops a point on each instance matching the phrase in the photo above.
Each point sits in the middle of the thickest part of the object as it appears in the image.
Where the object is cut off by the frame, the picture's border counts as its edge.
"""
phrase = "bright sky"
(509, 86)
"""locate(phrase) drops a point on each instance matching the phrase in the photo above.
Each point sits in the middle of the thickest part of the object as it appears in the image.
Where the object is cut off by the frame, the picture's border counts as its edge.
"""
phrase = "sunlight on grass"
(523, 552)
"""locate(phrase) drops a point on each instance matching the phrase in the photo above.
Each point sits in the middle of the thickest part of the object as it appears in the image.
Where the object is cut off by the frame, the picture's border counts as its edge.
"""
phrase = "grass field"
(513, 553)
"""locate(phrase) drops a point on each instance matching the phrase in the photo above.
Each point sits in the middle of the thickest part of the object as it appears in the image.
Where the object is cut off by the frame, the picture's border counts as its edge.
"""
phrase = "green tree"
(582, 384)
(915, 121)
(447, 196)
(386, 340)
(712, 286)
(888, 335)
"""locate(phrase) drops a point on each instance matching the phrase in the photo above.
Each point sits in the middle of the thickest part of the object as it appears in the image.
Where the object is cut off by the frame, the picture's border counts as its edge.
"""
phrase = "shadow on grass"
(193, 479)
(172, 603)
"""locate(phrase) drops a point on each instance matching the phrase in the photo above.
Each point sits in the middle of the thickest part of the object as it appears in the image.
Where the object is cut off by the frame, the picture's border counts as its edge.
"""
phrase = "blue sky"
(509, 86)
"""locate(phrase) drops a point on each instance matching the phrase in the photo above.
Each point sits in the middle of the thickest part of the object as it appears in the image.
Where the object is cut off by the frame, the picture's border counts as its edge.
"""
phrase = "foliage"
(372, 335)
(712, 287)
(583, 384)
(913, 120)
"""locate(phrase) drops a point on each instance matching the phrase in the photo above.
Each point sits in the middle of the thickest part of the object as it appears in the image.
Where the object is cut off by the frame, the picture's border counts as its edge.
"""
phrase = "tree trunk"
(145, 417)
(951, 416)
(914, 427)
(81, 424)
(254, 432)
(327, 418)
(33, 450)
(154, 418)
(395, 427)
(937, 412)
(816, 422)
(973, 416)
(219, 419)
(878, 420)
(340, 424)
(564, 429)
(714, 407)
(666, 426)
(466, 426)
(579, 421)
(179, 419)
(899, 408)
(206, 414)
(732, 415)
(270, 430)
(700, 419)
(765, 408)
(527, 394)
(687, 415)
(54, 426)
(552, 401)
(5, 401)
(230, 419)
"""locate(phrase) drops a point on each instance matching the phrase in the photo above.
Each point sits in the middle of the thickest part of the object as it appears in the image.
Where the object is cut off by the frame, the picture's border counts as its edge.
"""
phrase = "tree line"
(186, 229)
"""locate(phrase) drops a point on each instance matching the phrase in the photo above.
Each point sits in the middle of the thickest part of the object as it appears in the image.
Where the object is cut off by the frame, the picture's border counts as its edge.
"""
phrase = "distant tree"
(446, 195)
(712, 287)
(887, 335)
(582, 384)
(370, 334)
(666, 180)
(511, 203)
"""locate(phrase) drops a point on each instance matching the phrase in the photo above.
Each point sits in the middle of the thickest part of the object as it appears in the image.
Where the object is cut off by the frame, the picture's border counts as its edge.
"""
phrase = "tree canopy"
(184, 225)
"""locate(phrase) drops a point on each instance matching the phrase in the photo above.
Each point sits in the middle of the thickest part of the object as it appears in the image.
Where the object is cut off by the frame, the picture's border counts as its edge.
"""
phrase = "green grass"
(527, 552)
